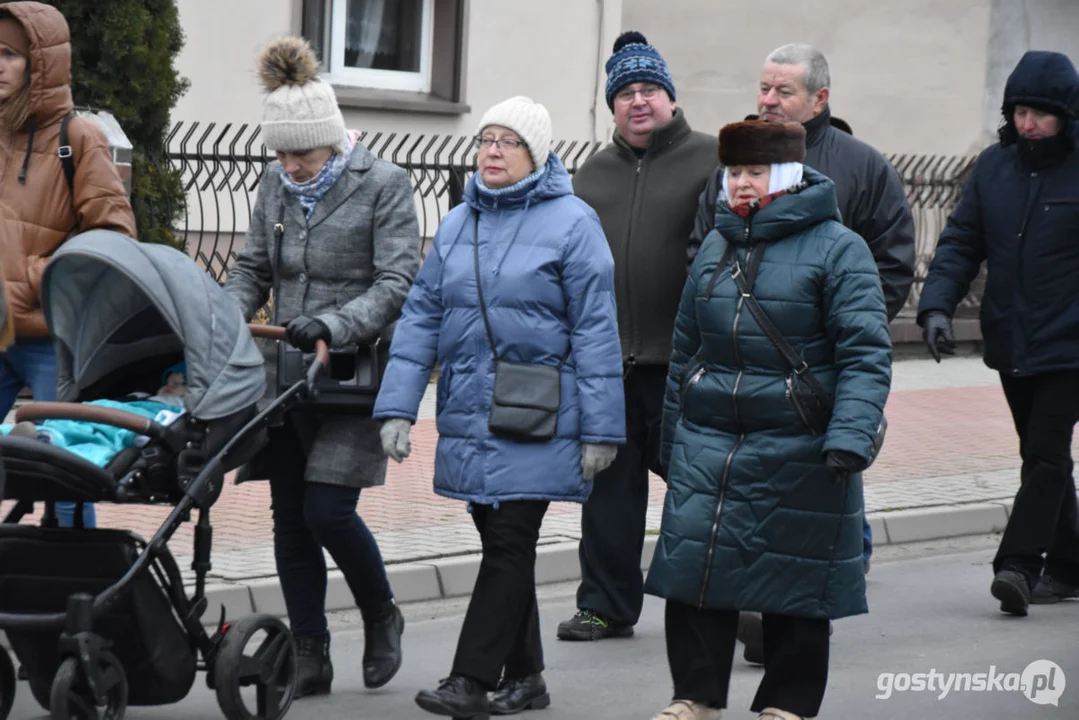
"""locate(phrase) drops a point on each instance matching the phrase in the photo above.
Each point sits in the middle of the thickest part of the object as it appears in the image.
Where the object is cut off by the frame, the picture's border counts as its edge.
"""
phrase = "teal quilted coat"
(753, 520)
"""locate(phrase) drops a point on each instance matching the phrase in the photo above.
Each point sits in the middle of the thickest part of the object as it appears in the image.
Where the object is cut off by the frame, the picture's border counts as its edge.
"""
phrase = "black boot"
(458, 697)
(516, 695)
(751, 634)
(1013, 590)
(382, 646)
(315, 671)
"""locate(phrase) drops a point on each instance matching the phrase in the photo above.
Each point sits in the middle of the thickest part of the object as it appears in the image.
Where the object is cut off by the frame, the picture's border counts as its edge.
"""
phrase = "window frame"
(444, 59)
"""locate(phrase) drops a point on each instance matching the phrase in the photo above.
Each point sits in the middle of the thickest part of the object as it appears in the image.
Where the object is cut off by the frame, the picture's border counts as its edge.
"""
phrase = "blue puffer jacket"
(548, 282)
(753, 520)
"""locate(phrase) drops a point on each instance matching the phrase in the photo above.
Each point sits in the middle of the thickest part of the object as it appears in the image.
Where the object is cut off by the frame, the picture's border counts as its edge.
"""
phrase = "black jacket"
(646, 204)
(1020, 212)
(871, 201)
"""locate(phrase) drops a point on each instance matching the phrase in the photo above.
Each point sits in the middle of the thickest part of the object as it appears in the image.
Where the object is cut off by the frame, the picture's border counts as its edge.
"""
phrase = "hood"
(809, 203)
(553, 182)
(50, 59)
(1046, 80)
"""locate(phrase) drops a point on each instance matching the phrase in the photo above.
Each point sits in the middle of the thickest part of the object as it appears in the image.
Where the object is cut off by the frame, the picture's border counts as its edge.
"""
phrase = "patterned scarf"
(311, 191)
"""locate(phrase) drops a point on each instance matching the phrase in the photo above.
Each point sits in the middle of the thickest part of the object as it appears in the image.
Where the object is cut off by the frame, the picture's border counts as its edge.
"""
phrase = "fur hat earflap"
(756, 142)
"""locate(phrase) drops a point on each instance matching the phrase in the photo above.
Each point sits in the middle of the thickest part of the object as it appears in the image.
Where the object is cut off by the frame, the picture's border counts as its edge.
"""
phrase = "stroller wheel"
(269, 666)
(7, 684)
(71, 698)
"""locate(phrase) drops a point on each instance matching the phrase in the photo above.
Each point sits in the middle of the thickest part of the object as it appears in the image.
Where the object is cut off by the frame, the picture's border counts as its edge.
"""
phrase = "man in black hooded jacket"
(1020, 213)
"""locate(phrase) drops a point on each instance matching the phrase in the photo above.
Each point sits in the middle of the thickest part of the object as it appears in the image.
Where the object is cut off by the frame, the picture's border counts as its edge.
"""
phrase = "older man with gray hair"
(795, 87)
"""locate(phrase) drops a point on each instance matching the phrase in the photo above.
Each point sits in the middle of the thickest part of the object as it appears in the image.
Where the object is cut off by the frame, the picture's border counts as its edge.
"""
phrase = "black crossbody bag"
(811, 400)
(527, 396)
(349, 386)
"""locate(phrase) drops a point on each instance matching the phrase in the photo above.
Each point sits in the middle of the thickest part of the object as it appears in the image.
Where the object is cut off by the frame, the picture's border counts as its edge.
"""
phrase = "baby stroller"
(99, 618)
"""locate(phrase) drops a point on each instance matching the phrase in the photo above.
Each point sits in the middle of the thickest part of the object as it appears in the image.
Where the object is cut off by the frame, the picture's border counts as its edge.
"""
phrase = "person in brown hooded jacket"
(38, 213)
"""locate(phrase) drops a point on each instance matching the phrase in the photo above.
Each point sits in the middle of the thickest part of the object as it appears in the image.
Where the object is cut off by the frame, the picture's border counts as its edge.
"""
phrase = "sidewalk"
(949, 468)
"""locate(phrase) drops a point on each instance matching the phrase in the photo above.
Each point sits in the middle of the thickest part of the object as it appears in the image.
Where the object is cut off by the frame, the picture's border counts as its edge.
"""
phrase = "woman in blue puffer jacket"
(764, 502)
(547, 290)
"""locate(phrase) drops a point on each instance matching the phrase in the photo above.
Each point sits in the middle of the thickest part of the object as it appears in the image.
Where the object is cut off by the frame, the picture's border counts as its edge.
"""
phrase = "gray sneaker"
(1050, 590)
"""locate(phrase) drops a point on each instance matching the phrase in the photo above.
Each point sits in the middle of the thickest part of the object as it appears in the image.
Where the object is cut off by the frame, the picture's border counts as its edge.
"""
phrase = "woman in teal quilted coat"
(762, 514)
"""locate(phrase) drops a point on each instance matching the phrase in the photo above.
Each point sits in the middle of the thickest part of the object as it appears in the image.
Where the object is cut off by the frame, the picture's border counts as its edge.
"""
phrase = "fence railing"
(221, 164)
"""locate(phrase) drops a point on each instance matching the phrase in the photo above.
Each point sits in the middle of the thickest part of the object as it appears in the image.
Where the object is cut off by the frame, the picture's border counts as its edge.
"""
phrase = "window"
(378, 44)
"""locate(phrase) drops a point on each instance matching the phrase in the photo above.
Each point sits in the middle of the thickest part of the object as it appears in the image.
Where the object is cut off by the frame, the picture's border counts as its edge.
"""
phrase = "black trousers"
(1041, 531)
(700, 652)
(500, 637)
(613, 518)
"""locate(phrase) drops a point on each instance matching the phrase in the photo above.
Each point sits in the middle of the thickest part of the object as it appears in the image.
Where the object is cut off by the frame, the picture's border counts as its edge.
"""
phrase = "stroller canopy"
(110, 302)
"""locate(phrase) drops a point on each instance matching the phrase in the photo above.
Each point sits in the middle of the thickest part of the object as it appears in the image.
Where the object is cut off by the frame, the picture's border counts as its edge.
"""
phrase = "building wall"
(909, 75)
(1018, 26)
(548, 51)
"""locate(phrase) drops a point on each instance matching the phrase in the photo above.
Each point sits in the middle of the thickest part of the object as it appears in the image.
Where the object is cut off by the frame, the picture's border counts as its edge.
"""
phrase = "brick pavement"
(950, 440)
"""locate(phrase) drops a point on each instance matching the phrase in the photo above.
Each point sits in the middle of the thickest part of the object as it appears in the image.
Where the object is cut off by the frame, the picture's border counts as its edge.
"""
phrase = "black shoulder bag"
(350, 384)
(811, 400)
(526, 395)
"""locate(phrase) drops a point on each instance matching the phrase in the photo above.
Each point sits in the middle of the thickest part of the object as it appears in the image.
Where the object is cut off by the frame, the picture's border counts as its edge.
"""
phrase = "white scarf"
(782, 177)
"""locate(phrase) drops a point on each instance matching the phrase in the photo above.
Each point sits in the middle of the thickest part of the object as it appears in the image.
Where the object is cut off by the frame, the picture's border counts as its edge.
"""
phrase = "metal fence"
(221, 165)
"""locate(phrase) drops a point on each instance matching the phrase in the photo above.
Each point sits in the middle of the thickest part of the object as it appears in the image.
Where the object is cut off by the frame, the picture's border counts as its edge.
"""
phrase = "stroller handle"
(277, 332)
(90, 413)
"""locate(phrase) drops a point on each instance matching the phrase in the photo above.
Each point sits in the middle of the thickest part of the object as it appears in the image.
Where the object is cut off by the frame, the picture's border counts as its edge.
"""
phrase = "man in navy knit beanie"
(635, 61)
(645, 187)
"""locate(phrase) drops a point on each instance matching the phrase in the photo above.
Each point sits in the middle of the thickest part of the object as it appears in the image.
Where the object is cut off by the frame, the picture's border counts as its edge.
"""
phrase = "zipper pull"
(639, 166)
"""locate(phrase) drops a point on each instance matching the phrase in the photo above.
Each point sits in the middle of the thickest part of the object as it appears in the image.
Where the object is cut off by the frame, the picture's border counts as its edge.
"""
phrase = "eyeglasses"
(648, 92)
(505, 143)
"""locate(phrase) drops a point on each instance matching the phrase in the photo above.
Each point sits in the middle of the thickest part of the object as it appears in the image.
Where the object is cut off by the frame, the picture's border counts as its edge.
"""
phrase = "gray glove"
(596, 458)
(395, 442)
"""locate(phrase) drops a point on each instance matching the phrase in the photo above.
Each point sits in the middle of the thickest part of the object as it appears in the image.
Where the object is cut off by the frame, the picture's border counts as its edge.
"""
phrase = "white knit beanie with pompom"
(300, 112)
(528, 119)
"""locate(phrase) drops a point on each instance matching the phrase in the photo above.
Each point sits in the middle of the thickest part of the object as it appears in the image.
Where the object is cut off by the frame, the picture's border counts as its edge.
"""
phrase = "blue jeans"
(32, 363)
(310, 516)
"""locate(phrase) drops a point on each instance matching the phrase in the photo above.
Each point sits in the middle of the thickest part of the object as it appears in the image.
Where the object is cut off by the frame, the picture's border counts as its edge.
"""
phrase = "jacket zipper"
(693, 380)
(730, 455)
(630, 325)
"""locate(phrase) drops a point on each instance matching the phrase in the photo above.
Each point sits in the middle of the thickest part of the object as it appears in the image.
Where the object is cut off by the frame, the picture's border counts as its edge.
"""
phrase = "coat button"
(303, 234)
(302, 278)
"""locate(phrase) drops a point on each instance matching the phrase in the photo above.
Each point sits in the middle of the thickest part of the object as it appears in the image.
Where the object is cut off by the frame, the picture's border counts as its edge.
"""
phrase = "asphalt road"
(930, 611)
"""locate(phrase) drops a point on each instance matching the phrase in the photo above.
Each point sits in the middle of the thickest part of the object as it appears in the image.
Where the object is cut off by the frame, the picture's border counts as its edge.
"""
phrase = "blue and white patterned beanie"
(634, 61)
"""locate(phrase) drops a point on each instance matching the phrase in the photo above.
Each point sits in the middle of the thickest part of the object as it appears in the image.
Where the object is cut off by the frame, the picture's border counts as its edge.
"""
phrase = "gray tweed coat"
(351, 265)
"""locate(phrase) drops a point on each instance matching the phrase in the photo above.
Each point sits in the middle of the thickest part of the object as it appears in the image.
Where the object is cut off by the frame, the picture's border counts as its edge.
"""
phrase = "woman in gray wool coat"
(348, 254)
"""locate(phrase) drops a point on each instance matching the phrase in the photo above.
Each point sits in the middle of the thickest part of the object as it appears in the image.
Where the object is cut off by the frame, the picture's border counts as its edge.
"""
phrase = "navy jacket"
(1020, 213)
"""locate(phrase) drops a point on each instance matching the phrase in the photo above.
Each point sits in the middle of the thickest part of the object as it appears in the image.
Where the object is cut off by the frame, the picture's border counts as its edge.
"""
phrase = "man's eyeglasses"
(505, 143)
(648, 92)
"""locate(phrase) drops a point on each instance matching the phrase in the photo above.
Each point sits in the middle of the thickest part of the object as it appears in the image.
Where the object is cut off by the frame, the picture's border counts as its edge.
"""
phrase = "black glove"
(937, 331)
(843, 463)
(302, 332)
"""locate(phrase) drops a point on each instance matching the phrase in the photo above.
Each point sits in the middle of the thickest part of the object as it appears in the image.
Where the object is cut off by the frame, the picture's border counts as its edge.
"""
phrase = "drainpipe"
(609, 21)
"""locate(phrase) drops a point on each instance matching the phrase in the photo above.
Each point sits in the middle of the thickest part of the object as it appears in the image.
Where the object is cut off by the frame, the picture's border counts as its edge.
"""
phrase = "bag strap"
(67, 155)
(797, 363)
(279, 237)
(479, 291)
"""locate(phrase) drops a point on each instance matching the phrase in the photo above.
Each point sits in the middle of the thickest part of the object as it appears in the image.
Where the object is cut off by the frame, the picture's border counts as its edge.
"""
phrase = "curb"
(453, 577)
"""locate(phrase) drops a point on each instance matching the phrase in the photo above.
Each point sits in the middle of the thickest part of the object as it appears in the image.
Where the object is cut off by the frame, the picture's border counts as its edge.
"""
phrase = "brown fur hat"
(756, 142)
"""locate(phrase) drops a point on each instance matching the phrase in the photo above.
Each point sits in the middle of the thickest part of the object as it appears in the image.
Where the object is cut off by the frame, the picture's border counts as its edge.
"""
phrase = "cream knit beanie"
(300, 112)
(528, 119)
